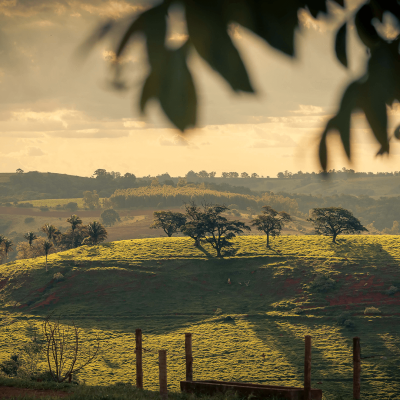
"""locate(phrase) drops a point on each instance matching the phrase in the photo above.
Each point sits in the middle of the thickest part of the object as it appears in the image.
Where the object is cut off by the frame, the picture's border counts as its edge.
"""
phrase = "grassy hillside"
(168, 287)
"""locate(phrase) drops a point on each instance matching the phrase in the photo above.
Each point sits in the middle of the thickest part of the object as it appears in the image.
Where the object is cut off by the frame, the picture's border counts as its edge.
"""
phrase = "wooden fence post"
(162, 364)
(139, 366)
(189, 356)
(307, 368)
(356, 368)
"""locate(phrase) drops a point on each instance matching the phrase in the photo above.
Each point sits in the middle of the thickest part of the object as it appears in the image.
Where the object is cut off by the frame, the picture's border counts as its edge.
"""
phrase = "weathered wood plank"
(245, 389)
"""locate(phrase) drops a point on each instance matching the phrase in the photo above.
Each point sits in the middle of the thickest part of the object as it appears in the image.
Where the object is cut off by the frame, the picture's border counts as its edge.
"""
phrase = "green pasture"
(167, 287)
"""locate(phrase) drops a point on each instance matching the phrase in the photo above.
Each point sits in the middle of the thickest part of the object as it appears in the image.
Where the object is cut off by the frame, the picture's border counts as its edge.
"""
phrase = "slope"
(166, 286)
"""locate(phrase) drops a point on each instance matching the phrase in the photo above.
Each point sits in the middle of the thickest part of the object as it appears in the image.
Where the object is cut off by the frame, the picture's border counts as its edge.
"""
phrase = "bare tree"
(65, 352)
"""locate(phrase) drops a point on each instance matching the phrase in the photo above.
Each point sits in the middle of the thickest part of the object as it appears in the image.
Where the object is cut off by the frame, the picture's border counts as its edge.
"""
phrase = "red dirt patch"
(7, 392)
(52, 298)
(3, 283)
(364, 298)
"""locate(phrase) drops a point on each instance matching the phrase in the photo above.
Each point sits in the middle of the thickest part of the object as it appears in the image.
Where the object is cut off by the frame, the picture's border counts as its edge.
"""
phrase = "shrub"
(349, 324)
(8, 204)
(323, 283)
(392, 290)
(372, 310)
(58, 276)
(71, 206)
(343, 317)
(44, 208)
(344, 320)
(10, 367)
(29, 220)
(25, 205)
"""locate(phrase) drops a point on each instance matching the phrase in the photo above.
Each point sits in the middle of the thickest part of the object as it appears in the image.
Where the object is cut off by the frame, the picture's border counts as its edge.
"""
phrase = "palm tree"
(74, 220)
(47, 245)
(8, 244)
(51, 231)
(30, 237)
(97, 232)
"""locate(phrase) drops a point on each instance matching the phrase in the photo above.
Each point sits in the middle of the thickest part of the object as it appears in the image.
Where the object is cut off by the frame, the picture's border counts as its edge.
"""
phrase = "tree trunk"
(46, 262)
(73, 238)
(334, 238)
(268, 240)
(219, 252)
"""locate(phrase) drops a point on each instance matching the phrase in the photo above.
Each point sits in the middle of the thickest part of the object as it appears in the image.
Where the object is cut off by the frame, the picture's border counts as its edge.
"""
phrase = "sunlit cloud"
(308, 110)
(134, 124)
(35, 152)
(176, 140)
(61, 116)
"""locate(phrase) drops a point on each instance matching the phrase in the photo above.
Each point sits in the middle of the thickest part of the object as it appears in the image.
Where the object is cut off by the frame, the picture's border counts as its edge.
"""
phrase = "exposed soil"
(7, 392)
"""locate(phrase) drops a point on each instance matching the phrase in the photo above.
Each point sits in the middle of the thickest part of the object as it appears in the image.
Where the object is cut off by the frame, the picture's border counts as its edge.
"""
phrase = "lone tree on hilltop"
(30, 237)
(219, 229)
(332, 221)
(170, 222)
(194, 226)
(271, 222)
(75, 221)
(109, 217)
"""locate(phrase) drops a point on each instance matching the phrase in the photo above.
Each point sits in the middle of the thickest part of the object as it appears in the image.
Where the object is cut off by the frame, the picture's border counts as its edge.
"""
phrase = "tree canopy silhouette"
(208, 24)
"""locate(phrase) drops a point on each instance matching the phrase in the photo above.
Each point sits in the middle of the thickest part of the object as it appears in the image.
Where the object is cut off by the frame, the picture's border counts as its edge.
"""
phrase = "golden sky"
(58, 117)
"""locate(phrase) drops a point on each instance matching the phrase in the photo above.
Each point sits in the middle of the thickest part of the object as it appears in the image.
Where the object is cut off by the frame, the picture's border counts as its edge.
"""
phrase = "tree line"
(168, 196)
(207, 224)
(54, 241)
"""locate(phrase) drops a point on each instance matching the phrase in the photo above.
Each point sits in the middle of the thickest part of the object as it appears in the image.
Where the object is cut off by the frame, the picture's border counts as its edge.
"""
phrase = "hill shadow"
(361, 250)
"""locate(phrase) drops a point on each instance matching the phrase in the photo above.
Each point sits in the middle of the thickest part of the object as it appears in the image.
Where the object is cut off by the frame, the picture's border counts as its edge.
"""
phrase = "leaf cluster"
(209, 23)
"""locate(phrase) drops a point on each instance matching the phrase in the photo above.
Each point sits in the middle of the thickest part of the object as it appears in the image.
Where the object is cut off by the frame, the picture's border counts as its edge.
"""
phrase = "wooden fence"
(244, 388)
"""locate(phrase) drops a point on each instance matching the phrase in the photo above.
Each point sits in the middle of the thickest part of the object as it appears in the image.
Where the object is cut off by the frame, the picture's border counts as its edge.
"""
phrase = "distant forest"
(360, 193)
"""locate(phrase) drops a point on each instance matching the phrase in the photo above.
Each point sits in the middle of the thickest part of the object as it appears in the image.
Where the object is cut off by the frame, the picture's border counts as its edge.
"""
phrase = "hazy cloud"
(128, 123)
(308, 110)
(176, 140)
(89, 134)
(275, 141)
(35, 152)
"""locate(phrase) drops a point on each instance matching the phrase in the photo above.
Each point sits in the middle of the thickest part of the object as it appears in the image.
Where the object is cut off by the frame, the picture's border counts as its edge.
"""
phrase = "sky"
(60, 114)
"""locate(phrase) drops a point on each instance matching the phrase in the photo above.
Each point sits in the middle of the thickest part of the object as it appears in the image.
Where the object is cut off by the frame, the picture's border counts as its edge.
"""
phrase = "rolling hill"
(167, 287)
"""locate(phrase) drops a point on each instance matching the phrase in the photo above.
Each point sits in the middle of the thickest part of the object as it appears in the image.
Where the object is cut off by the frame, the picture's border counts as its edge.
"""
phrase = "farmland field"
(167, 287)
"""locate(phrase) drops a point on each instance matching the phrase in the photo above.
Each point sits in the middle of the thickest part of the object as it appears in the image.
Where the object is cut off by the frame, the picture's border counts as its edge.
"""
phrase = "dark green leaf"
(340, 44)
(323, 155)
(150, 88)
(208, 34)
(177, 92)
(272, 20)
(153, 24)
(366, 31)
(397, 133)
(374, 107)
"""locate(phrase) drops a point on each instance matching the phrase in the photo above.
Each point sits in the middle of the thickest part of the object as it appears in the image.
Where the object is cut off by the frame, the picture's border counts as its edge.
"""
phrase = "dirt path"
(7, 392)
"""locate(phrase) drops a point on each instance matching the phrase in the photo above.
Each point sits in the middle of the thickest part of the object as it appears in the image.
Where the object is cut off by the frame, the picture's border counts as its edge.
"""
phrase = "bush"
(44, 208)
(392, 290)
(344, 320)
(29, 220)
(323, 283)
(25, 205)
(372, 310)
(71, 206)
(10, 367)
(297, 310)
(58, 276)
